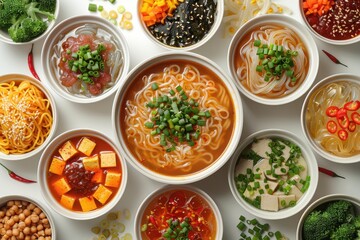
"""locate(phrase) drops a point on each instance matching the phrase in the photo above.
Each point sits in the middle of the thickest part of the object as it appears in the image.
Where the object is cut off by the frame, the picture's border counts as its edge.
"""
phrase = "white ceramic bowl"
(325, 39)
(4, 36)
(50, 56)
(19, 78)
(352, 94)
(323, 200)
(42, 173)
(30, 199)
(303, 34)
(237, 114)
(311, 166)
(217, 22)
(170, 189)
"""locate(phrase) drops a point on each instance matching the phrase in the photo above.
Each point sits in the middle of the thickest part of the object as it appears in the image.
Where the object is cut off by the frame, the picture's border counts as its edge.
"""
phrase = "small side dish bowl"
(273, 174)
(337, 24)
(183, 25)
(330, 118)
(26, 107)
(168, 113)
(178, 207)
(5, 37)
(20, 209)
(85, 59)
(273, 59)
(82, 174)
(321, 206)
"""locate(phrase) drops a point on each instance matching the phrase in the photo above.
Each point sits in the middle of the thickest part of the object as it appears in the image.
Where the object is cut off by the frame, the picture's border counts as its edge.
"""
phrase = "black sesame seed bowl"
(189, 24)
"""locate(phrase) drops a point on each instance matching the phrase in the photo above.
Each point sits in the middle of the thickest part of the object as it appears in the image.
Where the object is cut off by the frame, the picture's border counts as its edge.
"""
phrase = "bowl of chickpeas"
(23, 217)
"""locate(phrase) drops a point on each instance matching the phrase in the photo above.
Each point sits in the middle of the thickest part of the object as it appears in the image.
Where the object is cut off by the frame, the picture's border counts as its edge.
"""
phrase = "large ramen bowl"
(273, 59)
(85, 58)
(20, 209)
(273, 174)
(28, 117)
(178, 117)
(330, 118)
(5, 37)
(320, 205)
(82, 174)
(338, 26)
(188, 26)
(182, 206)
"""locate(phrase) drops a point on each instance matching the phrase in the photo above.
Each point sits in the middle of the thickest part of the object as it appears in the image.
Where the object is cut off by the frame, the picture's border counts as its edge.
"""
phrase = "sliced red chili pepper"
(352, 105)
(343, 135)
(343, 121)
(352, 126)
(332, 111)
(355, 116)
(341, 112)
(331, 126)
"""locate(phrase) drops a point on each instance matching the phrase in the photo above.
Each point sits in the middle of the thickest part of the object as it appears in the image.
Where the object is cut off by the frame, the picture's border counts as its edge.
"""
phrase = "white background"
(98, 116)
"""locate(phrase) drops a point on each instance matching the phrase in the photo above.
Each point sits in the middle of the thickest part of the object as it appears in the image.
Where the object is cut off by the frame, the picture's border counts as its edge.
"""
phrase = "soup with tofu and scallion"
(84, 173)
(271, 174)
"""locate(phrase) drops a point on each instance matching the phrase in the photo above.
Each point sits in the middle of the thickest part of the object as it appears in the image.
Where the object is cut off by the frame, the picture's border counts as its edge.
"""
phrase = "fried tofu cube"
(98, 177)
(91, 163)
(87, 203)
(113, 179)
(67, 150)
(67, 201)
(57, 166)
(102, 194)
(107, 159)
(61, 186)
(86, 146)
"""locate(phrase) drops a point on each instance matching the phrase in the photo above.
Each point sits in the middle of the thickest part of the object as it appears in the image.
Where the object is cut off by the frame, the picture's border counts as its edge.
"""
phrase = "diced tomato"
(352, 126)
(196, 204)
(332, 111)
(68, 79)
(355, 116)
(95, 89)
(341, 112)
(343, 135)
(103, 79)
(343, 121)
(352, 105)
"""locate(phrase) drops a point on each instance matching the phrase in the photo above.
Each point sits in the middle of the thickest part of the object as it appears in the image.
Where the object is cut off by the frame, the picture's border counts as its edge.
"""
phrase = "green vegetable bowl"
(334, 216)
(34, 20)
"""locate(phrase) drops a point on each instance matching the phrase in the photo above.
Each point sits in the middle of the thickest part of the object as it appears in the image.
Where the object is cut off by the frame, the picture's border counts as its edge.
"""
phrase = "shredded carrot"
(317, 6)
(155, 11)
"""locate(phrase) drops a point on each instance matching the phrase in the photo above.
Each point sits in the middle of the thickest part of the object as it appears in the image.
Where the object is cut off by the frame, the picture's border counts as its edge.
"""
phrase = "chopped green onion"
(154, 86)
(92, 7)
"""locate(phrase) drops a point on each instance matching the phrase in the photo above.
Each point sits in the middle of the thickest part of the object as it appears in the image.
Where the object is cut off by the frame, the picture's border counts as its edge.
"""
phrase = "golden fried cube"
(87, 203)
(107, 159)
(91, 163)
(57, 166)
(113, 179)
(86, 146)
(102, 194)
(67, 151)
(61, 186)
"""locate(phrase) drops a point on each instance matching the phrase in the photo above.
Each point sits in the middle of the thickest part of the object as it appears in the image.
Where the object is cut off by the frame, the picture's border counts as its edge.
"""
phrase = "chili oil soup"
(87, 61)
(333, 118)
(271, 61)
(178, 118)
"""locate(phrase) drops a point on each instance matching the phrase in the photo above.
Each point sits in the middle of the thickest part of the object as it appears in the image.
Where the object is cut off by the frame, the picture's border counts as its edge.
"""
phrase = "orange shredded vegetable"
(317, 6)
(155, 11)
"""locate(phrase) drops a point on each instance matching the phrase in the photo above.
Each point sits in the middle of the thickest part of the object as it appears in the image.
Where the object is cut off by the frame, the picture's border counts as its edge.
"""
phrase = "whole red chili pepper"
(31, 63)
(333, 58)
(329, 172)
(13, 175)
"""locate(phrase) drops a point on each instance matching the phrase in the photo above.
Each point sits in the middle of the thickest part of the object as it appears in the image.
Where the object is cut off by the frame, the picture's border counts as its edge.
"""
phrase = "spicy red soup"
(181, 211)
(84, 173)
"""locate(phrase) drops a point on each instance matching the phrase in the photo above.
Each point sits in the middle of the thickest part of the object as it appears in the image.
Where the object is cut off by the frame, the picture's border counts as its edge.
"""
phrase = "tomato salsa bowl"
(85, 59)
(82, 174)
(185, 210)
(330, 118)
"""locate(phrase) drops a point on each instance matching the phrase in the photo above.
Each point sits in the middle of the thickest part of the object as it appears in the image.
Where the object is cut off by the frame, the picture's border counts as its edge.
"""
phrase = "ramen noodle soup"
(177, 117)
(271, 61)
(333, 118)
(26, 117)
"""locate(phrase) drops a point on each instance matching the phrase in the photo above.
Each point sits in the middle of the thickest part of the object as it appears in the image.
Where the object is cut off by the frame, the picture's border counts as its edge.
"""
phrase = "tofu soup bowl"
(273, 174)
(82, 174)
(273, 59)
(177, 117)
(178, 207)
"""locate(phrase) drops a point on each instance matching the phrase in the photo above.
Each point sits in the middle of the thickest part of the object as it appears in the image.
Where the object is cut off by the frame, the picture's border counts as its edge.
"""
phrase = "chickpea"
(16, 218)
(27, 238)
(10, 222)
(31, 206)
(9, 233)
(21, 236)
(37, 211)
(2, 213)
(45, 221)
(34, 218)
(41, 233)
(26, 231)
(42, 215)
(27, 221)
(15, 232)
(15, 208)
(39, 227)
(47, 231)
(33, 229)
(22, 216)
(27, 212)
(22, 225)
(10, 203)
(41, 238)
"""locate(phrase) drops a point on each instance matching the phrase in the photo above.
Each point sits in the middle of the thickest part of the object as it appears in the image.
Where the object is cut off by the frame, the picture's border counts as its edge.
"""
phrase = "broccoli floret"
(342, 211)
(357, 223)
(33, 11)
(46, 5)
(346, 231)
(10, 12)
(17, 32)
(317, 226)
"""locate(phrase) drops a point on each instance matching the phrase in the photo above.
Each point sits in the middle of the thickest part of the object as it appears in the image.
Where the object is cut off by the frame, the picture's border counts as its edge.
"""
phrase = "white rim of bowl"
(317, 148)
(300, 31)
(166, 188)
(39, 204)
(318, 202)
(42, 171)
(68, 25)
(40, 85)
(312, 171)
(214, 28)
(6, 38)
(236, 131)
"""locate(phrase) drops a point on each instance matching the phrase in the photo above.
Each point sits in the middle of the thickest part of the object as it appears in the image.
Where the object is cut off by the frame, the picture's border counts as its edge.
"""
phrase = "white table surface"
(98, 116)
